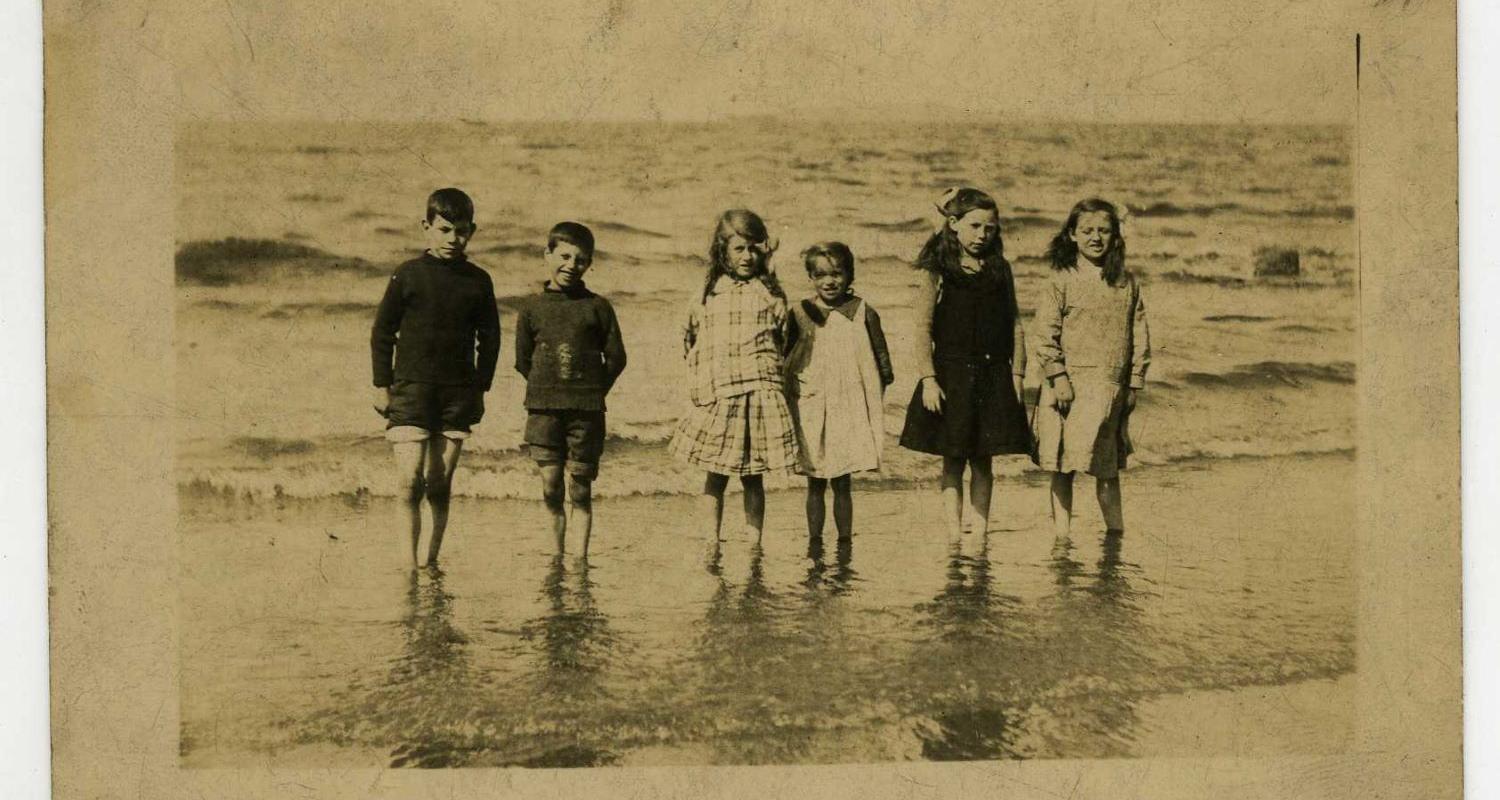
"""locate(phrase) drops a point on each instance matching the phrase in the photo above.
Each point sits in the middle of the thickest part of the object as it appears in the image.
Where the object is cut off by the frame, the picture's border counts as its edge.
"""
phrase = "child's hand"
(1129, 400)
(1062, 394)
(932, 395)
(380, 397)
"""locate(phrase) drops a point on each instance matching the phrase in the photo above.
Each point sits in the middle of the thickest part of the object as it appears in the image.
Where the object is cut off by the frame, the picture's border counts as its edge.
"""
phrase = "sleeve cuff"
(1055, 369)
(1138, 381)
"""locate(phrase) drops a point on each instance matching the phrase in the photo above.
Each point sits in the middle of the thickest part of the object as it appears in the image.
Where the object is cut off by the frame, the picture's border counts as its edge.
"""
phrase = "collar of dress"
(818, 312)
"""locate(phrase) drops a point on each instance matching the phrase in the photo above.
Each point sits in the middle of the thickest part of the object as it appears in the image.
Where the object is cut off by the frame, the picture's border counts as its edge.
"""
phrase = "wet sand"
(1221, 624)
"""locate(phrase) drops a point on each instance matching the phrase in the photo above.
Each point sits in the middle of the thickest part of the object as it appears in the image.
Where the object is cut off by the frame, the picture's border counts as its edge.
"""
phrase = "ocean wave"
(314, 197)
(232, 261)
(1182, 276)
(1169, 210)
(913, 225)
(1342, 212)
(1301, 328)
(1342, 278)
(254, 470)
(620, 227)
(1273, 373)
(1029, 221)
(1236, 318)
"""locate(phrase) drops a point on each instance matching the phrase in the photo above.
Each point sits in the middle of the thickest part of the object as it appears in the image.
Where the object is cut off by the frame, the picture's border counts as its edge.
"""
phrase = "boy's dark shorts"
(418, 410)
(566, 436)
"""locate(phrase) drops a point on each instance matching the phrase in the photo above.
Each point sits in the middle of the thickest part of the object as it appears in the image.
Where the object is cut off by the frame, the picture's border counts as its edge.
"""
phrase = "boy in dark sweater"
(439, 318)
(568, 347)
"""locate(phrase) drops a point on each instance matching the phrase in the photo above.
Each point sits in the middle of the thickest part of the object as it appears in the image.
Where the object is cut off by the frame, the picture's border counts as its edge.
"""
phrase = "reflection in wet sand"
(783, 651)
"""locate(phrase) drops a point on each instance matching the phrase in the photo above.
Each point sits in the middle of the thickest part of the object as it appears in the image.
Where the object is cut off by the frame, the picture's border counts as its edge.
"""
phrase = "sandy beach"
(305, 642)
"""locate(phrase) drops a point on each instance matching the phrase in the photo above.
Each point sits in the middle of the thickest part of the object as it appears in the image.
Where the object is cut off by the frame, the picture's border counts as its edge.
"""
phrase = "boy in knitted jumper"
(439, 319)
(569, 349)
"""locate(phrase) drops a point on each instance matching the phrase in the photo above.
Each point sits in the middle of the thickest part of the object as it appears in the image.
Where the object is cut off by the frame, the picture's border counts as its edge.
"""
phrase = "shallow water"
(301, 640)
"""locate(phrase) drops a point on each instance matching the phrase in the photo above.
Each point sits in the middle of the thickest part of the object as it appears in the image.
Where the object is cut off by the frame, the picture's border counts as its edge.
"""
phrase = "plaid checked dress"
(739, 422)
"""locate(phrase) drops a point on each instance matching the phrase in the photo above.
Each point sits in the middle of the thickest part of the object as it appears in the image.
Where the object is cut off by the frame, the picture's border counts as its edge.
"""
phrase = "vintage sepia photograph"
(895, 464)
(746, 386)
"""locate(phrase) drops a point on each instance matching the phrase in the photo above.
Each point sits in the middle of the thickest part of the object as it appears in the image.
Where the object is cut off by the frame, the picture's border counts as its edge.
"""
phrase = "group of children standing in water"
(777, 386)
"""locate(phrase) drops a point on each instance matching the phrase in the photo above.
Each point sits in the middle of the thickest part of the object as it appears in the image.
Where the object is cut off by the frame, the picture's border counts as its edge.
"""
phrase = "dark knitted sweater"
(440, 319)
(569, 348)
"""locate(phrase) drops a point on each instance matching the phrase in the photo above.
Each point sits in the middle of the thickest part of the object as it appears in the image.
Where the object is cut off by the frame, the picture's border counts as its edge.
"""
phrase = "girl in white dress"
(837, 369)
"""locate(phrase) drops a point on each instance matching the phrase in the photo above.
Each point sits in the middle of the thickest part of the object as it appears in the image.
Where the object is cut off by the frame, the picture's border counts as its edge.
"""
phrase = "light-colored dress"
(836, 385)
(739, 422)
(1096, 334)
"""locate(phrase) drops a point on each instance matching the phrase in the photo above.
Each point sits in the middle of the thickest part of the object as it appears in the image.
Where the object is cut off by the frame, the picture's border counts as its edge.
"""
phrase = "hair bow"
(942, 207)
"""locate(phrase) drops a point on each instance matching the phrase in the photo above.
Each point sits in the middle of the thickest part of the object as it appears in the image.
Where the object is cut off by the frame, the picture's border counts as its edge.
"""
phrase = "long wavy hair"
(1063, 251)
(749, 226)
(943, 254)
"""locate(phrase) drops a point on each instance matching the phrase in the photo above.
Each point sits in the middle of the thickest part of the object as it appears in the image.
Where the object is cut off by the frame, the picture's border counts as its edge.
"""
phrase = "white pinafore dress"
(836, 394)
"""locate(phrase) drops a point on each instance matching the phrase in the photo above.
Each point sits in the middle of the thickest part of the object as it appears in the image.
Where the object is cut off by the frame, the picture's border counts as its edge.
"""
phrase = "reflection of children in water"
(836, 579)
(969, 645)
(564, 714)
(1056, 680)
(427, 698)
(1097, 643)
(573, 637)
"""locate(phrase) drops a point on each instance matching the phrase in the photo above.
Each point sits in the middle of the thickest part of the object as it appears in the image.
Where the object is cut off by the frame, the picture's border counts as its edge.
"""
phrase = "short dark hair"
(835, 253)
(574, 233)
(451, 204)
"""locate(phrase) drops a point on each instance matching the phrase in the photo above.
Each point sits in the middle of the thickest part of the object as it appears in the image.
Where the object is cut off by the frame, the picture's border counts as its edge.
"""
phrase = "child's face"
(976, 229)
(829, 280)
(743, 257)
(568, 262)
(1093, 235)
(447, 239)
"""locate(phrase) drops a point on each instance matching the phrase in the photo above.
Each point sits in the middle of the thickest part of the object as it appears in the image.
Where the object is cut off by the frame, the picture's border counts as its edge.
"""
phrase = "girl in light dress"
(739, 423)
(837, 369)
(1094, 348)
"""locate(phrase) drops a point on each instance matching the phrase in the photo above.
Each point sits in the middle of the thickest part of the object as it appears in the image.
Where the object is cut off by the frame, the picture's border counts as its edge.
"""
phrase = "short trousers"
(418, 410)
(566, 436)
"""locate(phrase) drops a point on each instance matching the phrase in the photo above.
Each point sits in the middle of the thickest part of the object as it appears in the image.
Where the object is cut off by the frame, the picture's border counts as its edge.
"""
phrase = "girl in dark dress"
(971, 355)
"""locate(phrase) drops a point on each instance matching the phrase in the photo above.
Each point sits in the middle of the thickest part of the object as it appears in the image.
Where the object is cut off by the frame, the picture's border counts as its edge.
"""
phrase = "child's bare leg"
(981, 488)
(442, 459)
(952, 486)
(411, 485)
(711, 505)
(1062, 504)
(581, 495)
(1110, 504)
(843, 506)
(755, 502)
(552, 497)
(817, 510)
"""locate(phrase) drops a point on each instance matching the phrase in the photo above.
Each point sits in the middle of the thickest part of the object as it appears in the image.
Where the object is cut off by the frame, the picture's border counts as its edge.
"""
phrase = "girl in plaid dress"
(739, 423)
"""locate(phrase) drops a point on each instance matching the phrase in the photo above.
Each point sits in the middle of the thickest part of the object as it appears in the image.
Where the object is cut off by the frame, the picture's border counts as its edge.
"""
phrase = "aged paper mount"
(123, 80)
